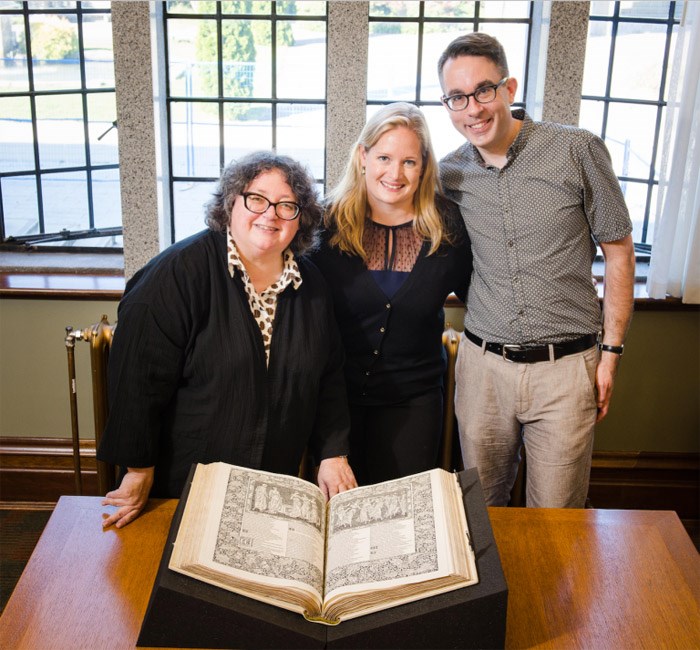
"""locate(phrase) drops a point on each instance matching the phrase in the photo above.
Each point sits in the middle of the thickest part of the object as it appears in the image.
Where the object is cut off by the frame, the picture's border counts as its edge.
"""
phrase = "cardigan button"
(376, 352)
(388, 305)
(382, 329)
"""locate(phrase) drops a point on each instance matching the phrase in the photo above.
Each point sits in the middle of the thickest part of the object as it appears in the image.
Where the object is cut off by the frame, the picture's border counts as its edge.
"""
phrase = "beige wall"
(656, 406)
(34, 397)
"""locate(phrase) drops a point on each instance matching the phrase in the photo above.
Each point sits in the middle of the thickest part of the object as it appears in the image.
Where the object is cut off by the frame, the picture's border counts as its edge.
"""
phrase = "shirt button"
(382, 329)
(376, 352)
(388, 305)
(367, 373)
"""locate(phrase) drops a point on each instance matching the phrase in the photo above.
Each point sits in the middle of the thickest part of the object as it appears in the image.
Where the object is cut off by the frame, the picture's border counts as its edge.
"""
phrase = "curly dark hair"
(238, 175)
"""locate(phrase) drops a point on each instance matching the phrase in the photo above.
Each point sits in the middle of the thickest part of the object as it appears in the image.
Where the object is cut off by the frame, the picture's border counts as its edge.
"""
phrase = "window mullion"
(2, 217)
(273, 72)
(419, 62)
(220, 83)
(84, 105)
(528, 53)
(35, 130)
(608, 81)
(168, 115)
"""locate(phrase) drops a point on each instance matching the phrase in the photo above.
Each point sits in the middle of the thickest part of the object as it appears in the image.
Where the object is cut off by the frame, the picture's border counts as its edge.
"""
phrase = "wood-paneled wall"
(41, 469)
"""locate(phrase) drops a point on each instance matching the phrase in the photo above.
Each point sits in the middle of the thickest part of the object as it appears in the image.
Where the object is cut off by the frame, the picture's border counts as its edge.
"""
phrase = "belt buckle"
(506, 346)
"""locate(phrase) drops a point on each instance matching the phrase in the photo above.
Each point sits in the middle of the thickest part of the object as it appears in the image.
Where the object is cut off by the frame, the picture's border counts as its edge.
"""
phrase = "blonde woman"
(393, 251)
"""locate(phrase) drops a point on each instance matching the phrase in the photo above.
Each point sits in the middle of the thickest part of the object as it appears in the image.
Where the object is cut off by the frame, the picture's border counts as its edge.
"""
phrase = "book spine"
(320, 618)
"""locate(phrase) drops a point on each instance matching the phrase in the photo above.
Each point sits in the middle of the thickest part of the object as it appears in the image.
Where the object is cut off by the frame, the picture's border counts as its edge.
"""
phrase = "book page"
(271, 526)
(394, 543)
(259, 526)
(383, 533)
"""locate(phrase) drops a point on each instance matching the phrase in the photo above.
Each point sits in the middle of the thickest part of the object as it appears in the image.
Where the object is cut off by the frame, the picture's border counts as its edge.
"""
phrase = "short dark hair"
(238, 174)
(475, 44)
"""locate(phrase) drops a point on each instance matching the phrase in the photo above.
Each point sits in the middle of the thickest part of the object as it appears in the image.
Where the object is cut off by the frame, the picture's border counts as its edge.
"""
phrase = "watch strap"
(615, 349)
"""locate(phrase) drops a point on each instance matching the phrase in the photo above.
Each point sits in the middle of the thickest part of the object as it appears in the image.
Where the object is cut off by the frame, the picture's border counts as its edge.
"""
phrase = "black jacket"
(187, 375)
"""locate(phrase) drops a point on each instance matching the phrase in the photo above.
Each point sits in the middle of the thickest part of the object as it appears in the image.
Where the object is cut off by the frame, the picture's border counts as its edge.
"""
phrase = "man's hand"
(335, 475)
(604, 381)
(130, 497)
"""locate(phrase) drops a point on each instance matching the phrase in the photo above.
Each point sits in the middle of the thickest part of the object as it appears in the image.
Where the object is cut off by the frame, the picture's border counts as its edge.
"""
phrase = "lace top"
(392, 252)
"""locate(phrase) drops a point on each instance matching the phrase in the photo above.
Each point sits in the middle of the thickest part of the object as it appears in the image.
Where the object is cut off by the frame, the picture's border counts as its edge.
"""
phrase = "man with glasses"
(538, 359)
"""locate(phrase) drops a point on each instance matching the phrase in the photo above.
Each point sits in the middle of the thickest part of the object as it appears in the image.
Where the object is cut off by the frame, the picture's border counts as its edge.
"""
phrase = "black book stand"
(185, 612)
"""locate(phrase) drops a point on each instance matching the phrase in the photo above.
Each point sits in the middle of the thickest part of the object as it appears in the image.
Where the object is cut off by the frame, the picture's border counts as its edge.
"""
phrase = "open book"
(273, 538)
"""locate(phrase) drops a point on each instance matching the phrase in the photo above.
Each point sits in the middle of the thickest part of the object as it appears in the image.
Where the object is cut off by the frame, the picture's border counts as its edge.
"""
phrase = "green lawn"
(101, 107)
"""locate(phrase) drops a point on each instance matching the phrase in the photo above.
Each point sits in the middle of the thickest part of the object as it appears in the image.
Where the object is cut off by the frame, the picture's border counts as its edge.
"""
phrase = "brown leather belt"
(533, 354)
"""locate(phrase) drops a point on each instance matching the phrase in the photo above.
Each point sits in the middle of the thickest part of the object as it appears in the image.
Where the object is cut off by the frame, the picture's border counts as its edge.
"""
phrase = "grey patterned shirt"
(534, 226)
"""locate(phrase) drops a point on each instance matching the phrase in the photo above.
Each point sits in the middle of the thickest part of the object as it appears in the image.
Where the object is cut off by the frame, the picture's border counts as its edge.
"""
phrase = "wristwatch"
(615, 349)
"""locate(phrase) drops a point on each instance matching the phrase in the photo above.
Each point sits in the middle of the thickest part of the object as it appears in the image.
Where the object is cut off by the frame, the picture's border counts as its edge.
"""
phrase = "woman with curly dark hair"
(227, 349)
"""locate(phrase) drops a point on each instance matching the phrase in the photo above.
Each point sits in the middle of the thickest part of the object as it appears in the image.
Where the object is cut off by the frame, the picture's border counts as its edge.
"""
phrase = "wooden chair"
(450, 452)
(99, 336)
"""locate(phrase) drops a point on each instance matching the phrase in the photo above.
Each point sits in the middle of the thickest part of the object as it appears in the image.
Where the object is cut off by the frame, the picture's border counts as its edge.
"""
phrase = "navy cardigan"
(394, 346)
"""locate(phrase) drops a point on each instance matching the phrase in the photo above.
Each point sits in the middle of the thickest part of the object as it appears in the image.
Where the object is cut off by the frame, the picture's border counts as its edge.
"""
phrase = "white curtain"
(675, 260)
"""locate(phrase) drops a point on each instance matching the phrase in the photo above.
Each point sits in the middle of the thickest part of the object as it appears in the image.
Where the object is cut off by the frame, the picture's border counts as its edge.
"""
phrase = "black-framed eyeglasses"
(483, 95)
(286, 210)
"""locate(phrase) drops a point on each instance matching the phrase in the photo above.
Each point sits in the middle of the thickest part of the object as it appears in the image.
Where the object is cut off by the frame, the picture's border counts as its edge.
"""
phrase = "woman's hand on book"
(130, 497)
(335, 475)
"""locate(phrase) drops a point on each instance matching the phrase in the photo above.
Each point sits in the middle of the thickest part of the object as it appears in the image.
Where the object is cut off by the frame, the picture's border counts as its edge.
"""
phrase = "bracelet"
(615, 349)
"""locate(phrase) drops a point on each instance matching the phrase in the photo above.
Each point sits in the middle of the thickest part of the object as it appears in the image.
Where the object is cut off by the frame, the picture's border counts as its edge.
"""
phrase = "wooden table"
(577, 579)
(616, 579)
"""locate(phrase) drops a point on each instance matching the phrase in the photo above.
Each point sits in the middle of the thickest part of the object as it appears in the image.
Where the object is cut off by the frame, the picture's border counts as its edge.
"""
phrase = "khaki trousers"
(549, 407)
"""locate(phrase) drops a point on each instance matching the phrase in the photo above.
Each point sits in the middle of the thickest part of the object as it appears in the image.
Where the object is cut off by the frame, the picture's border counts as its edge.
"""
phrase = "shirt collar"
(516, 146)
(523, 135)
(290, 271)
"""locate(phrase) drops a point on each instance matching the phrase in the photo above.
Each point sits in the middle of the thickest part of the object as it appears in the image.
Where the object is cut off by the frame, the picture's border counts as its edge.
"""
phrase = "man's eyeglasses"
(483, 95)
(284, 209)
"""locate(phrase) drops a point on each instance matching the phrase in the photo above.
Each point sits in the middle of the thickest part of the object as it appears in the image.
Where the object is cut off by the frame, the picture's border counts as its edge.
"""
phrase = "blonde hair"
(346, 209)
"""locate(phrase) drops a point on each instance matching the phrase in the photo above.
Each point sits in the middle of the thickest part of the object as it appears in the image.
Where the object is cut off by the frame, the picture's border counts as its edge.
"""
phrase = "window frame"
(24, 242)
(643, 248)
(273, 101)
(476, 21)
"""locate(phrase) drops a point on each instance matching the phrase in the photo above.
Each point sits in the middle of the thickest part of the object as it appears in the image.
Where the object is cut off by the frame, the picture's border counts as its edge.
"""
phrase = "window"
(625, 82)
(407, 38)
(241, 76)
(59, 172)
